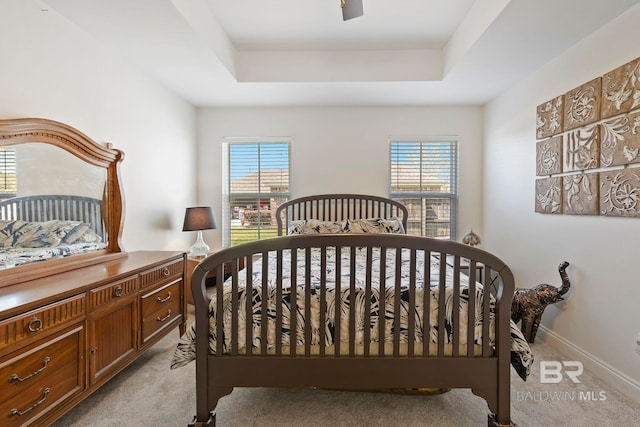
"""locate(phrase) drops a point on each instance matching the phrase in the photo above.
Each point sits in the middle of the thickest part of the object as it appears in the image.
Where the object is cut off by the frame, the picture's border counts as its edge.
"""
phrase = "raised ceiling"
(301, 52)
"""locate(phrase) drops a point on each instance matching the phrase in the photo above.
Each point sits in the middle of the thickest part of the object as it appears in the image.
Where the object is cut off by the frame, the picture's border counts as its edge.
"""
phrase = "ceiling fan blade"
(352, 9)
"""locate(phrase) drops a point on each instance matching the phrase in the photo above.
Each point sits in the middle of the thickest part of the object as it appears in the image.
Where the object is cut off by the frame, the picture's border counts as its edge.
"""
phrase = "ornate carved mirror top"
(61, 204)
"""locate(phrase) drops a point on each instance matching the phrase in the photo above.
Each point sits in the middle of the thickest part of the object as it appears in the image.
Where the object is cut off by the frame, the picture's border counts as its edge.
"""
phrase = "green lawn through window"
(249, 234)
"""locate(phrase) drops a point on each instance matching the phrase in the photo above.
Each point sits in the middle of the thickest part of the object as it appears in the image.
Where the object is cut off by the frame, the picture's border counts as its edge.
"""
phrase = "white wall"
(600, 318)
(50, 69)
(342, 149)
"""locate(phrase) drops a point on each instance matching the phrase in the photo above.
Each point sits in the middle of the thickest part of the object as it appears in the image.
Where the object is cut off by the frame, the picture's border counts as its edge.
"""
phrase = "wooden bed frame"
(487, 375)
(49, 207)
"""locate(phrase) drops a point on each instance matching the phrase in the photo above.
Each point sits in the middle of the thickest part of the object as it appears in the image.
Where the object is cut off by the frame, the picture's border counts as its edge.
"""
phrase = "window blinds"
(423, 176)
(256, 178)
(8, 180)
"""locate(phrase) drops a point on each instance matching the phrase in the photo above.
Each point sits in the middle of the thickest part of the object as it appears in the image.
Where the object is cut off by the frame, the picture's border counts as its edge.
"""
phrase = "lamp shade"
(351, 9)
(199, 218)
(471, 239)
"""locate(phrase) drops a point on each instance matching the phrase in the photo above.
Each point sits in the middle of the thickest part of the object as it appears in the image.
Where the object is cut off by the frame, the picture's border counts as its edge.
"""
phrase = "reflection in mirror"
(51, 204)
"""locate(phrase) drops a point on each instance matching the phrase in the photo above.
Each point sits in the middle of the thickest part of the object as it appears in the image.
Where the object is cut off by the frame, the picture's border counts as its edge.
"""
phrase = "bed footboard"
(363, 311)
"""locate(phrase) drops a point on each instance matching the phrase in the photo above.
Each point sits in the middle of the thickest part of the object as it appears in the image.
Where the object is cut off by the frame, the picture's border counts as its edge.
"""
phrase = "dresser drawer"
(162, 273)
(40, 322)
(160, 319)
(112, 292)
(41, 376)
(161, 297)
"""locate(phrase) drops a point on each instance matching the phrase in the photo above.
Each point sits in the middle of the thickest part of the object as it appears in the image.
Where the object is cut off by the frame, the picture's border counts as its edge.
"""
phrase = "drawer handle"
(35, 324)
(14, 411)
(162, 319)
(117, 291)
(15, 377)
(166, 271)
(168, 297)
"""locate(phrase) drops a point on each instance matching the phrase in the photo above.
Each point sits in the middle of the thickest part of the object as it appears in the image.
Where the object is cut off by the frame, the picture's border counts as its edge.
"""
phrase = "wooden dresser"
(64, 335)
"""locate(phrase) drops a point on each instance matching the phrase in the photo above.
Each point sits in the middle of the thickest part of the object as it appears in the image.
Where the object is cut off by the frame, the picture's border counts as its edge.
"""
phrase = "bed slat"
(219, 302)
(249, 306)
(485, 319)
(397, 303)
(471, 316)
(352, 301)
(426, 315)
(279, 303)
(411, 327)
(367, 300)
(293, 315)
(455, 318)
(264, 304)
(234, 308)
(382, 301)
(307, 303)
(337, 312)
(441, 303)
(323, 302)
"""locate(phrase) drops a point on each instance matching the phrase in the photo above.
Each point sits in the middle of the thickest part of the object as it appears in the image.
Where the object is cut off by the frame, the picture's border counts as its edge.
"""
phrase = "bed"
(42, 227)
(368, 300)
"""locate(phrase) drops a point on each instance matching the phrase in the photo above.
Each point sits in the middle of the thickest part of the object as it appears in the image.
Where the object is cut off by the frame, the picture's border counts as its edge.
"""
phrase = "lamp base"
(199, 248)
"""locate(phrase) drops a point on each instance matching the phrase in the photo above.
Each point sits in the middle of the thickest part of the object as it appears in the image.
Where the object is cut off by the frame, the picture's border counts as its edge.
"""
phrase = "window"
(424, 177)
(256, 182)
(8, 183)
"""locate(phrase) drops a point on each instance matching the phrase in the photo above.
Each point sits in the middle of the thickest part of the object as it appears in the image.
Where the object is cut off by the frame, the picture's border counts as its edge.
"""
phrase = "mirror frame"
(30, 130)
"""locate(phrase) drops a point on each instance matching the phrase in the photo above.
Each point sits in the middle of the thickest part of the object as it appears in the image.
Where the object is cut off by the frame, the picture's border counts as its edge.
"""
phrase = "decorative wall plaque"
(582, 105)
(549, 118)
(580, 194)
(594, 126)
(620, 140)
(549, 156)
(549, 195)
(621, 89)
(620, 192)
(581, 149)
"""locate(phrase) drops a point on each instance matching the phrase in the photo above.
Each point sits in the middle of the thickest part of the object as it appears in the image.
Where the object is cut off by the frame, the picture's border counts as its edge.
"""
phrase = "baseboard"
(607, 373)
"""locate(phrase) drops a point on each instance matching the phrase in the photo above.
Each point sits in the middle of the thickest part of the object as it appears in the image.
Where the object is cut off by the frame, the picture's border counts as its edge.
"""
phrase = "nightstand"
(464, 267)
(192, 262)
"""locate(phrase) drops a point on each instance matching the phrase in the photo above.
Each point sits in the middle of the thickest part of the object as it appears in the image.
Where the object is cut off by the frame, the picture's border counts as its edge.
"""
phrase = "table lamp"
(198, 219)
(471, 239)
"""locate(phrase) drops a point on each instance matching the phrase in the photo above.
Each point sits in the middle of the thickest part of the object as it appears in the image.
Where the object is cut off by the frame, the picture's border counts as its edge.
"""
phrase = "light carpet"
(148, 393)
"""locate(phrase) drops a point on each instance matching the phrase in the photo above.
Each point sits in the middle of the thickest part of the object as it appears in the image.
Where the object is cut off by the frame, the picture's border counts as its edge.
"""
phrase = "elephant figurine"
(529, 304)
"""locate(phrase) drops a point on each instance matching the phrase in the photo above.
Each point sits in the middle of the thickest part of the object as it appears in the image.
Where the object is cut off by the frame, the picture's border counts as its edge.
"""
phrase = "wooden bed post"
(502, 416)
(204, 415)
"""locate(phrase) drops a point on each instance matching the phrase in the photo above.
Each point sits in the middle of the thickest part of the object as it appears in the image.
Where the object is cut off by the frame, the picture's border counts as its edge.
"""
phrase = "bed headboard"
(51, 207)
(338, 207)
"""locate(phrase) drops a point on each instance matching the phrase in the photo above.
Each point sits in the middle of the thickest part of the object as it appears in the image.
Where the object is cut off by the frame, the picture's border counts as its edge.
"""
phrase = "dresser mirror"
(60, 200)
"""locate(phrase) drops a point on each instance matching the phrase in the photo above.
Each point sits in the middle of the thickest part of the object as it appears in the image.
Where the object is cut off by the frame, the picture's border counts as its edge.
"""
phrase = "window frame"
(422, 192)
(227, 195)
(8, 166)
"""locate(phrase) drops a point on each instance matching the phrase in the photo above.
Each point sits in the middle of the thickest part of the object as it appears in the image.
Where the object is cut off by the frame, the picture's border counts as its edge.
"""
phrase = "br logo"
(551, 371)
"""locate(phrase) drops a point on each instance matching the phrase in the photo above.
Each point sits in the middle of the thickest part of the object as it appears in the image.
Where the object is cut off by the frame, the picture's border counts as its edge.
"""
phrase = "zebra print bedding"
(382, 295)
(13, 257)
